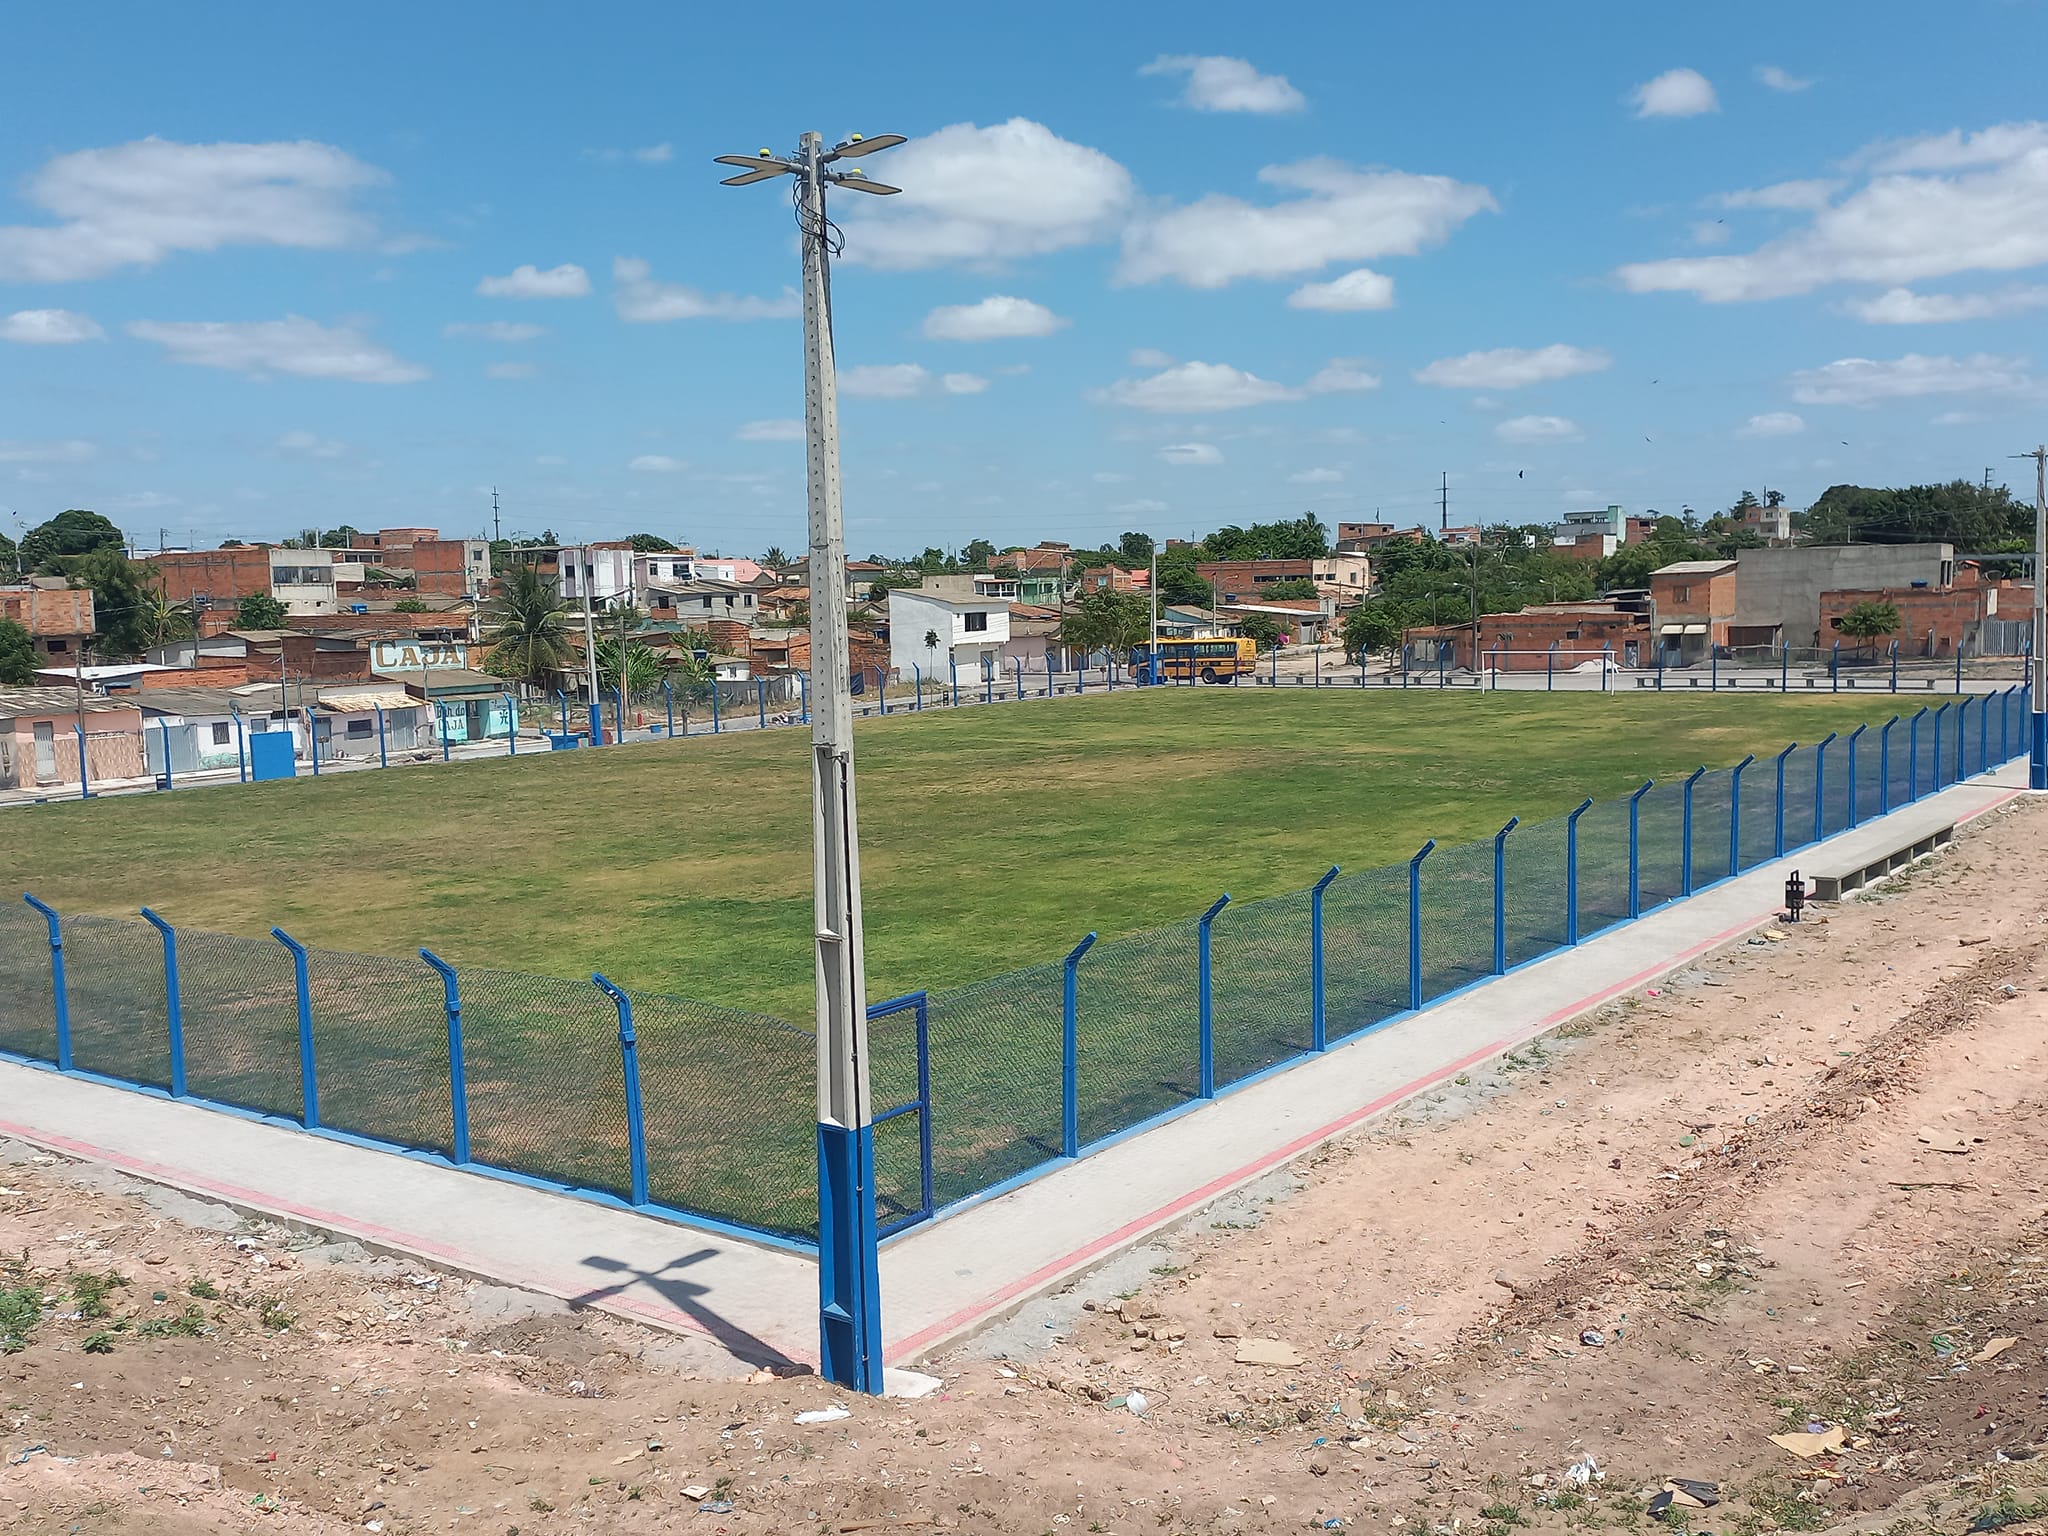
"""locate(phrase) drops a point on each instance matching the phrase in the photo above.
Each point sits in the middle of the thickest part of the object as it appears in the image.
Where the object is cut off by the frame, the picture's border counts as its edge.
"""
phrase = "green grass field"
(992, 838)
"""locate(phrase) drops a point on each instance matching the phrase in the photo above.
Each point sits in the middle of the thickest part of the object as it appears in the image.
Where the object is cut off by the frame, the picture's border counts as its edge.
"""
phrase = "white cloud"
(495, 330)
(1779, 79)
(49, 327)
(1675, 93)
(1219, 84)
(1341, 375)
(568, 281)
(1360, 289)
(657, 464)
(1341, 214)
(1773, 424)
(1141, 506)
(1537, 429)
(1109, 477)
(883, 381)
(1955, 419)
(1902, 306)
(963, 383)
(511, 371)
(1867, 381)
(1512, 367)
(136, 204)
(293, 345)
(1196, 454)
(73, 450)
(987, 196)
(1798, 196)
(310, 445)
(1150, 357)
(1196, 388)
(1709, 232)
(779, 431)
(655, 154)
(996, 318)
(640, 300)
(1934, 207)
(1315, 477)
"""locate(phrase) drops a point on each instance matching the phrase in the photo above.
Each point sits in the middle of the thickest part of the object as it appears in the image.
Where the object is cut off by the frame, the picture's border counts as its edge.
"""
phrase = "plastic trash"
(824, 1415)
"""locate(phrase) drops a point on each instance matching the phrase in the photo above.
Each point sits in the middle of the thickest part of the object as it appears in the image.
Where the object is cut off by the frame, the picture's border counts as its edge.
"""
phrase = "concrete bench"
(1832, 880)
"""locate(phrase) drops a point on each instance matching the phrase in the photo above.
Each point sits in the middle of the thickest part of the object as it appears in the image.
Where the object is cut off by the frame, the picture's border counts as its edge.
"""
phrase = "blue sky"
(1155, 267)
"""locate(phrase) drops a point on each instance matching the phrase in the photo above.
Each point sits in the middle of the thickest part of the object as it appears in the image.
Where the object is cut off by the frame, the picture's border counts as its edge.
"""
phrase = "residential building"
(697, 602)
(213, 578)
(1609, 522)
(1973, 617)
(42, 729)
(1778, 591)
(1771, 523)
(1693, 603)
(968, 618)
(58, 617)
(303, 580)
(1034, 636)
(1345, 577)
(1114, 578)
(1049, 557)
(1538, 638)
(1179, 623)
(1363, 538)
(1301, 621)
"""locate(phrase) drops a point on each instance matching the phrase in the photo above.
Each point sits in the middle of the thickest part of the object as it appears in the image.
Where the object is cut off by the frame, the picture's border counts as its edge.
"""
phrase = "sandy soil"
(1796, 1188)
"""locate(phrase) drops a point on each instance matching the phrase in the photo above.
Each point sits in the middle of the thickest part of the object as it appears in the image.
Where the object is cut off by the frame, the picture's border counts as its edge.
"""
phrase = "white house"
(969, 616)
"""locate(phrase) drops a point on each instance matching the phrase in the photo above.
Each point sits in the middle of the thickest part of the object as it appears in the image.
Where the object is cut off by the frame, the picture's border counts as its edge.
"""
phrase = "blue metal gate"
(899, 1074)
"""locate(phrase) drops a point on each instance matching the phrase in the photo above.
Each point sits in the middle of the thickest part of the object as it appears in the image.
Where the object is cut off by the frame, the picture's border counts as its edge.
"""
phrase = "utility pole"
(2037, 706)
(1444, 503)
(497, 527)
(1154, 658)
(849, 1282)
(584, 576)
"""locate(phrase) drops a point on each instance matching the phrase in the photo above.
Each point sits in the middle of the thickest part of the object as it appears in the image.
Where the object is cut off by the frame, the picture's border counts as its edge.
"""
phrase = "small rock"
(1518, 1286)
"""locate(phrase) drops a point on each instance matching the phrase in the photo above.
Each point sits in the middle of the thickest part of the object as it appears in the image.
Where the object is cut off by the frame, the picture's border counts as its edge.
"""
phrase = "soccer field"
(992, 838)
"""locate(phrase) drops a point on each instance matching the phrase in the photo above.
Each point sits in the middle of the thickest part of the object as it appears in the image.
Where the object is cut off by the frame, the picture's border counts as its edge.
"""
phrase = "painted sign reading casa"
(415, 655)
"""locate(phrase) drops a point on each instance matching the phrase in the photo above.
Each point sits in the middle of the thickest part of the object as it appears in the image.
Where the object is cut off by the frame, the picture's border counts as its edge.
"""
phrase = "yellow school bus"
(1215, 660)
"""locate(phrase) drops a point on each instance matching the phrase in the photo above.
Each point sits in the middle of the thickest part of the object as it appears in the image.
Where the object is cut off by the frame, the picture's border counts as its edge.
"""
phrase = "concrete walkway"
(941, 1281)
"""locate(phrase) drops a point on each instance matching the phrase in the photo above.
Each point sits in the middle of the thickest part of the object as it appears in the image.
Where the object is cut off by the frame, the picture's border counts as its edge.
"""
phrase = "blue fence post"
(1207, 1001)
(84, 776)
(1714, 668)
(309, 1082)
(383, 754)
(953, 667)
(2004, 726)
(1983, 735)
(1635, 863)
(917, 675)
(1778, 820)
(1937, 743)
(761, 701)
(1959, 669)
(1500, 896)
(1835, 668)
(1735, 815)
(1318, 1018)
(1785, 668)
(441, 715)
(988, 682)
(1685, 845)
(59, 998)
(629, 1058)
(174, 1005)
(619, 712)
(1854, 736)
(1070, 1051)
(563, 698)
(1895, 666)
(1884, 766)
(668, 697)
(882, 688)
(1549, 668)
(1415, 923)
(241, 745)
(1606, 661)
(1820, 787)
(1913, 755)
(716, 727)
(1571, 871)
(1962, 739)
(312, 739)
(163, 724)
(1020, 677)
(458, 1081)
(1660, 669)
(511, 724)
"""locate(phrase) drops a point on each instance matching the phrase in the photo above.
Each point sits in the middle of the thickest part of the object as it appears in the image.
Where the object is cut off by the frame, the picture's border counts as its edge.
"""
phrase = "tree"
(343, 537)
(1870, 619)
(527, 629)
(164, 621)
(643, 667)
(122, 595)
(408, 605)
(17, 654)
(1960, 512)
(1135, 546)
(75, 532)
(1371, 629)
(259, 610)
(1296, 589)
(977, 554)
(10, 556)
(1179, 582)
(1263, 629)
(650, 544)
(1115, 622)
(776, 559)
(931, 649)
(1304, 538)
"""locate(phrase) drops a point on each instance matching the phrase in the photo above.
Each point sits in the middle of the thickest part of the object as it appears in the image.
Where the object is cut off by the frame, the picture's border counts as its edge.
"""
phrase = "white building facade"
(967, 616)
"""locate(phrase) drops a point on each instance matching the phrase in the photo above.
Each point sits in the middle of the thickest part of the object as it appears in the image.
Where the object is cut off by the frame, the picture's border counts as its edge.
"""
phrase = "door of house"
(46, 750)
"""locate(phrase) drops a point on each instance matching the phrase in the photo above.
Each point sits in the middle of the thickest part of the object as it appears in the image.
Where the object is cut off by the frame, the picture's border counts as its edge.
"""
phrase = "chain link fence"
(687, 1107)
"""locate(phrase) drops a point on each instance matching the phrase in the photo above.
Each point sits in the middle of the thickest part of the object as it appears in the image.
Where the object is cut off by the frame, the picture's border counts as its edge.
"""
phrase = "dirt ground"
(1794, 1190)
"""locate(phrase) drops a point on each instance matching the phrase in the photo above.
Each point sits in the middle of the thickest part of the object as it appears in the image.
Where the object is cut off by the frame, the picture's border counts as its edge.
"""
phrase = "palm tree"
(527, 629)
(931, 650)
(164, 621)
(775, 559)
(643, 668)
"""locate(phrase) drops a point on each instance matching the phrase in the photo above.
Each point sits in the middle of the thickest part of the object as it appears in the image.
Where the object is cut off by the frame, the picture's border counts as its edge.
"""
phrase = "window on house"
(59, 647)
(220, 733)
(359, 727)
(977, 623)
(1682, 595)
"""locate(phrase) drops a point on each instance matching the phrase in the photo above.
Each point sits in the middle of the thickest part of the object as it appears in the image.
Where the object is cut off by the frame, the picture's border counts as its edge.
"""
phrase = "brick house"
(57, 617)
(1523, 641)
(1694, 606)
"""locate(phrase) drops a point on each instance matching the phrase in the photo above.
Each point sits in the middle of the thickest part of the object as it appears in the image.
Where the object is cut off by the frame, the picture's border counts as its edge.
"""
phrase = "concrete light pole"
(849, 1286)
(2037, 706)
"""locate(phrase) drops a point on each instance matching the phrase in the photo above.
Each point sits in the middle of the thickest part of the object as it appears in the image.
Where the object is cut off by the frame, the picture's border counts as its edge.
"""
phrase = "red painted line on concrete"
(1193, 1197)
(916, 1341)
(179, 1178)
